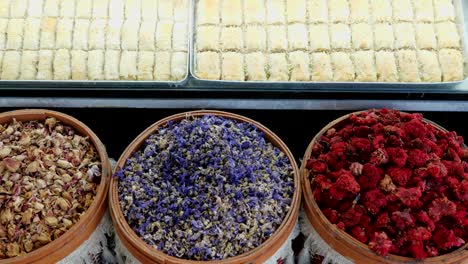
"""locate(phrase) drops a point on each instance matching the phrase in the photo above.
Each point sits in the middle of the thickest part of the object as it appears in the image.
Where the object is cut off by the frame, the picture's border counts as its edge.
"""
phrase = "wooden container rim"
(147, 253)
(80, 232)
(341, 241)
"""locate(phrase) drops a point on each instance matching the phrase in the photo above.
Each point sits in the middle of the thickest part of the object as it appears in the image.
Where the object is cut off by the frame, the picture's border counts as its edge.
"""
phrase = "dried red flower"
(352, 216)
(436, 169)
(374, 200)
(416, 249)
(423, 218)
(402, 220)
(418, 233)
(445, 239)
(454, 168)
(397, 156)
(332, 215)
(317, 166)
(361, 144)
(378, 141)
(409, 197)
(400, 176)
(462, 191)
(441, 207)
(395, 182)
(415, 129)
(338, 149)
(347, 182)
(371, 176)
(382, 220)
(358, 233)
(362, 131)
(417, 158)
(380, 243)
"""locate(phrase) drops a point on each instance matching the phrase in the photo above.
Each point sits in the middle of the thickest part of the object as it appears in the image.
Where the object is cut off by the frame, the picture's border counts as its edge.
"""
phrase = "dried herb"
(49, 176)
(395, 182)
(206, 188)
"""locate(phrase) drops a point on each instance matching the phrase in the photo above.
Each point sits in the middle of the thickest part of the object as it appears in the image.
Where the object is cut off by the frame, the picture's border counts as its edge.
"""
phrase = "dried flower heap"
(48, 178)
(206, 188)
(395, 182)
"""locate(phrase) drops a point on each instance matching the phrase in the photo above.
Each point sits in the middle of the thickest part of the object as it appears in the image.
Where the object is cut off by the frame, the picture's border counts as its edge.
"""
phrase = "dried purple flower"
(206, 188)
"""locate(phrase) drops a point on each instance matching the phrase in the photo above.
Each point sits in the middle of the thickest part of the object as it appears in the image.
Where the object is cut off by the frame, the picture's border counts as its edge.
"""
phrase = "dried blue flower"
(206, 188)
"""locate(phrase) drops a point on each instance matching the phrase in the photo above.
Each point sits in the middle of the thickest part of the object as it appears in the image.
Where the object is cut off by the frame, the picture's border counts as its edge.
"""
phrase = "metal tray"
(461, 8)
(107, 84)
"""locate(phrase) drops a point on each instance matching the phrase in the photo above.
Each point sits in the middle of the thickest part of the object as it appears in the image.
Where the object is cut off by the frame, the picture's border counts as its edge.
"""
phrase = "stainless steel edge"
(209, 103)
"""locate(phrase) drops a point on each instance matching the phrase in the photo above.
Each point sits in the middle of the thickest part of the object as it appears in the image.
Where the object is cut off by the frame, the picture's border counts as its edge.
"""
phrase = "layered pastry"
(328, 40)
(94, 39)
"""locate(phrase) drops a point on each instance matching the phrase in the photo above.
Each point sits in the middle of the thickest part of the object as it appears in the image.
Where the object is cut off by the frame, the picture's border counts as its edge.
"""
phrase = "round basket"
(147, 254)
(81, 231)
(342, 242)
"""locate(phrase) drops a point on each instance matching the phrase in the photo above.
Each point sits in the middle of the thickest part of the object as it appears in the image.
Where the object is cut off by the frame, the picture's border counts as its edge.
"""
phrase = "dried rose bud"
(27, 216)
(38, 206)
(37, 163)
(43, 238)
(63, 204)
(6, 216)
(11, 164)
(2, 232)
(67, 222)
(89, 187)
(64, 164)
(25, 139)
(15, 177)
(4, 152)
(57, 233)
(33, 167)
(67, 196)
(66, 178)
(51, 221)
(12, 250)
(50, 122)
(41, 184)
(28, 246)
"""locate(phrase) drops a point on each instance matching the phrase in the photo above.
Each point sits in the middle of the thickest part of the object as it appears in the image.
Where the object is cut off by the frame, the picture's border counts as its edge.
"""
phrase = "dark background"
(117, 127)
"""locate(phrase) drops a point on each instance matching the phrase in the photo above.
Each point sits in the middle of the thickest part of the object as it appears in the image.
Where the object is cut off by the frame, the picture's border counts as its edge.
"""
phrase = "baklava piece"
(207, 38)
(408, 66)
(429, 66)
(383, 37)
(343, 68)
(231, 38)
(321, 67)
(340, 36)
(447, 34)
(451, 62)
(319, 37)
(364, 65)
(255, 38)
(232, 66)
(79, 65)
(255, 67)
(278, 67)
(425, 36)
(162, 66)
(362, 36)
(208, 65)
(299, 62)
